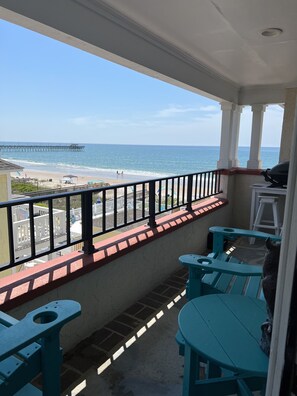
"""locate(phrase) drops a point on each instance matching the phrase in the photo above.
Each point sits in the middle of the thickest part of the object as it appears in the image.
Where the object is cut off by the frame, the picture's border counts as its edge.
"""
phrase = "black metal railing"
(42, 225)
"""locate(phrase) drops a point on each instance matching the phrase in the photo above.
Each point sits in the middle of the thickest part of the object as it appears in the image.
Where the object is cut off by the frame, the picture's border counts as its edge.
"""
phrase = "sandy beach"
(57, 179)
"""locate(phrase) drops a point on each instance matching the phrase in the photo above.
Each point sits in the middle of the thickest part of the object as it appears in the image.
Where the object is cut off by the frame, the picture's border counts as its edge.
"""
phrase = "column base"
(254, 164)
(224, 164)
(235, 163)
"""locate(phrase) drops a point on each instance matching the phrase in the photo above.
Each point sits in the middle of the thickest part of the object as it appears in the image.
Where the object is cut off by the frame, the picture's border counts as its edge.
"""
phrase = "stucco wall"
(108, 291)
(239, 196)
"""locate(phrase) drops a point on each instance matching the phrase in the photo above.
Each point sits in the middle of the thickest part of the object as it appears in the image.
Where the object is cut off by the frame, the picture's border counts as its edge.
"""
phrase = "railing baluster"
(143, 200)
(160, 196)
(178, 190)
(104, 211)
(172, 192)
(115, 208)
(134, 203)
(125, 204)
(166, 194)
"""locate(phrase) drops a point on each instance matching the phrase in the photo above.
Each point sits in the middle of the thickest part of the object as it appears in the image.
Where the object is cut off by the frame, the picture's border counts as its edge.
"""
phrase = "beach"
(55, 180)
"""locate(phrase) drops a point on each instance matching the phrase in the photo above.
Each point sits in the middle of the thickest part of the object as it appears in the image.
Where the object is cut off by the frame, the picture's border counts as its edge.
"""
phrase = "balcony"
(226, 52)
(130, 285)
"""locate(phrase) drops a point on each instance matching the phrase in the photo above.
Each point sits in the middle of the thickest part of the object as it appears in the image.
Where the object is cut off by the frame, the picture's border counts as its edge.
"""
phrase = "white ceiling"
(225, 34)
(214, 47)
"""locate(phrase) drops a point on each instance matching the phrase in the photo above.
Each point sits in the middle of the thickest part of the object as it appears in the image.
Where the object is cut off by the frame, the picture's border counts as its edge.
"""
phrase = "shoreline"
(51, 179)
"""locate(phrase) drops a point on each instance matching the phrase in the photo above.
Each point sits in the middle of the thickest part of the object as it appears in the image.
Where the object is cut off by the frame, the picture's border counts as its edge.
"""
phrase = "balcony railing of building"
(42, 225)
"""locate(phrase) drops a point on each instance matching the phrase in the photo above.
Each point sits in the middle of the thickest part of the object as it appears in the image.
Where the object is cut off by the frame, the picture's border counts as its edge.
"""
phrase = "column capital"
(258, 108)
(227, 106)
(238, 108)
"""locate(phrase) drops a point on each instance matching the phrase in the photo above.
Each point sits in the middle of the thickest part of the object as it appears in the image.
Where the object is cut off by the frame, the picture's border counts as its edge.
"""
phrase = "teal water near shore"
(135, 161)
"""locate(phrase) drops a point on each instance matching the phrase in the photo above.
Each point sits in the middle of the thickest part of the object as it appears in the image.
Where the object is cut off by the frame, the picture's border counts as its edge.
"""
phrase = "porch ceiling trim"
(262, 95)
(100, 30)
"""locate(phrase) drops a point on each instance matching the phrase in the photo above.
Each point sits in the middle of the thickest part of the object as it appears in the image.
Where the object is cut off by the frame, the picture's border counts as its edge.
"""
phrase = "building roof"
(9, 166)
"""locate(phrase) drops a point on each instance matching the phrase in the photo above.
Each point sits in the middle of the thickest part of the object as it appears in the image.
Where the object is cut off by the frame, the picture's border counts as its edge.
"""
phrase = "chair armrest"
(235, 232)
(40, 323)
(207, 265)
(220, 233)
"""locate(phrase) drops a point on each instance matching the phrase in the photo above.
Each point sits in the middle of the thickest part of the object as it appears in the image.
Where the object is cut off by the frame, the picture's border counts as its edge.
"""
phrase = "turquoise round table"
(224, 330)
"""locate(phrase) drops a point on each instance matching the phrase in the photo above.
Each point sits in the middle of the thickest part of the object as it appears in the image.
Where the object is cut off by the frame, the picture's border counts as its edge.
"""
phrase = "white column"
(258, 114)
(235, 136)
(285, 276)
(288, 124)
(226, 134)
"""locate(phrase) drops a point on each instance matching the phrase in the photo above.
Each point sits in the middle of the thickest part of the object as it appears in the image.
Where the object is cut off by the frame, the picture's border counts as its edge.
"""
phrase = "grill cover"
(278, 175)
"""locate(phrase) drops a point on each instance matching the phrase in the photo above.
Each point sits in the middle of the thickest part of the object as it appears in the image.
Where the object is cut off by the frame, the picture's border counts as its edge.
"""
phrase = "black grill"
(278, 175)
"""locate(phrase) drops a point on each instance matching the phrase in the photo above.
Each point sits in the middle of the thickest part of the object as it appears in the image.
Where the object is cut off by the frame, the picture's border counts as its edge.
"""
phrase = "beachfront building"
(5, 195)
(21, 223)
(238, 53)
(5, 178)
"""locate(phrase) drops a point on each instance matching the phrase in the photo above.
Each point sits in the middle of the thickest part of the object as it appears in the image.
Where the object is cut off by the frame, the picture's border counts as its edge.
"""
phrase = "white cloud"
(209, 109)
(97, 122)
(173, 110)
(80, 121)
(200, 128)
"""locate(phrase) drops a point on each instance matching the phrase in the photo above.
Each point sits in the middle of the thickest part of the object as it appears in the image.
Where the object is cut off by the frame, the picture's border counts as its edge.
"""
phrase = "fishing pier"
(4, 148)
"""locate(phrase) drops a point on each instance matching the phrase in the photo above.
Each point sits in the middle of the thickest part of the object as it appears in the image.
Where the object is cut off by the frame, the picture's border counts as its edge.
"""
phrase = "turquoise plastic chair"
(31, 346)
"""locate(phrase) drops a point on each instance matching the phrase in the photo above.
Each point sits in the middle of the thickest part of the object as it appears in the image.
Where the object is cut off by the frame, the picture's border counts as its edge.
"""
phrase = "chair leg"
(276, 219)
(243, 389)
(213, 371)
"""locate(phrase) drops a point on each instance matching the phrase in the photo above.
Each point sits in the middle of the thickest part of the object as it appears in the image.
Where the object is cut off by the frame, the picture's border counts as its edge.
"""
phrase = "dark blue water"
(134, 160)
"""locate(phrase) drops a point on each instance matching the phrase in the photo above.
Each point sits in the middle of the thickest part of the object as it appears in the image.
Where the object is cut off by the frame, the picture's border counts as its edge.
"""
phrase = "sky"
(52, 92)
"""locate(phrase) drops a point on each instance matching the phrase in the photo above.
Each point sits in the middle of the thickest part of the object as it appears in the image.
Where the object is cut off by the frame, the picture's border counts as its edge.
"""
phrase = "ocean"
(137, 162)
